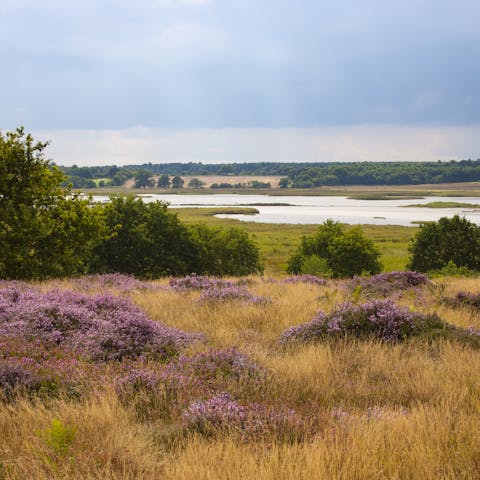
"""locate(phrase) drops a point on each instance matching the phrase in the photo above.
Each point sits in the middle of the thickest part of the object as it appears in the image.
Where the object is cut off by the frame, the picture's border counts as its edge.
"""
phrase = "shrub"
(381, 319)
(306, 278)
(453, 239)
(344, 253)
(384, 284)
(101, 327)
(230, 293)
(197, 282)
(221, 412)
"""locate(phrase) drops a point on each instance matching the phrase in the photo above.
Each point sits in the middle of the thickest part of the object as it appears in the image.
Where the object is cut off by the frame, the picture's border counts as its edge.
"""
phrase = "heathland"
(200, 378)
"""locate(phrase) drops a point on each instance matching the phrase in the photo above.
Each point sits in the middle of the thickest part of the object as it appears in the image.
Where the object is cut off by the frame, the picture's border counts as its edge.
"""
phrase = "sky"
(124, 81)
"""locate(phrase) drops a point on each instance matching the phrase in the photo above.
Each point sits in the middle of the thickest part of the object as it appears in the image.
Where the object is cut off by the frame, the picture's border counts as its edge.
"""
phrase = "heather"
(385, 284)
(149, 382)
(380, 319)
(99, 327)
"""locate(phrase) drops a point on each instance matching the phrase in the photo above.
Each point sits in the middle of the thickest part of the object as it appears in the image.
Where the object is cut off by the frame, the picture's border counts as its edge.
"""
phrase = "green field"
(278, 241)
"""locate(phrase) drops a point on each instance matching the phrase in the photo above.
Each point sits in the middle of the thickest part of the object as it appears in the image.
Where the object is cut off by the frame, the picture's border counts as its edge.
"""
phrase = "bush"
(384, 284)
(381, 319)
(342, 253)
(225, 251)
(144, 240)
(453, 239)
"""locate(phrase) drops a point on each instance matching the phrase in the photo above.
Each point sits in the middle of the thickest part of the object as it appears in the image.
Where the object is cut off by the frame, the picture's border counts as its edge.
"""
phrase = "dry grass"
(428, 395)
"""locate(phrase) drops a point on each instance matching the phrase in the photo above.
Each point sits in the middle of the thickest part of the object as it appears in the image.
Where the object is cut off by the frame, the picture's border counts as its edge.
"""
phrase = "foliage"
(163, 181)
(309, 175)
(144, 240)
(45, 231)
(346, 253)
(226, 251)
(143, 179)
(453, 239)
(380, 319)
(58, 437)
(99, 327)
(177, 182)
(384, 284)
(196, 183)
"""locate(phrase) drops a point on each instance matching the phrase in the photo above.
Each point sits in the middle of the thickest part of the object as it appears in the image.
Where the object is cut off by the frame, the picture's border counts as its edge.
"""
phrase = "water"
(313, 210)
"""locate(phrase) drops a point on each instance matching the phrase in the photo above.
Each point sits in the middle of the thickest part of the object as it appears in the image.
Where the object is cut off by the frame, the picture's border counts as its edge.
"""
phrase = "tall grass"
(368, 410)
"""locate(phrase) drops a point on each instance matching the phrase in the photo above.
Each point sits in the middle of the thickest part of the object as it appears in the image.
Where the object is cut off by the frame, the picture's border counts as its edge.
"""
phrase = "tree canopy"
(450, 240)
(335, 252)
(45, 231)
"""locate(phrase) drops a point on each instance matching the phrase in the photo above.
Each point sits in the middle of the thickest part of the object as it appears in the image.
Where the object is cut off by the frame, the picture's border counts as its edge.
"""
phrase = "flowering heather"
(221, 412)
(27, 375)
(198, 282)
(230, 293)
(305, 278)
(385, 284)
(100, 327)
(220, 367)
(113, 281)
(381, 319)
(464, 299)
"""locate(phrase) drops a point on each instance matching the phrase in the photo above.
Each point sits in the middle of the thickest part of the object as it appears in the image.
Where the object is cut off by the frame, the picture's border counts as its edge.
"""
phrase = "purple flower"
(306, 278)
(385, 284)
(381, 319)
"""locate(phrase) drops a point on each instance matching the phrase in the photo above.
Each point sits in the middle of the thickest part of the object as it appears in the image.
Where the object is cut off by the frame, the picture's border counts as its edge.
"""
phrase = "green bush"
(344, 253)
(453, 240)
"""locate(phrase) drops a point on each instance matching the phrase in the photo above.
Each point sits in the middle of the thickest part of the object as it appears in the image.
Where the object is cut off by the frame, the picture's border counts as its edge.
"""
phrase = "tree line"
(296, 175)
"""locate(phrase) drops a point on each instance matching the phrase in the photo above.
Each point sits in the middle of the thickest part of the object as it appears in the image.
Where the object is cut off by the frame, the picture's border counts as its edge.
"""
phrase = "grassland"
(371, 410)
(444, 205)
(277, 241)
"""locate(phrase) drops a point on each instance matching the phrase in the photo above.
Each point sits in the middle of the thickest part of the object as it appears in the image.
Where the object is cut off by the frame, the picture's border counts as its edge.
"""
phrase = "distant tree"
(143, 179)
(196, 183)
(163, 181)
(340, 253)
(258, 184)
(45, 230)
(284, 182)
(450, 240)
(177, 182)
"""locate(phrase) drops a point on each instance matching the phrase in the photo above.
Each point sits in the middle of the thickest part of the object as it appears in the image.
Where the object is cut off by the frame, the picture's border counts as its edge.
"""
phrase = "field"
(467, 189)
(277, 241)
(238, 403)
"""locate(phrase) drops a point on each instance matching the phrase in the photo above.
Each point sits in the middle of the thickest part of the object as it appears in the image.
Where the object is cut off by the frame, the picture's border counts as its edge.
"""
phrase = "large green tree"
(144, 240)
(453, 239)
(45, 231)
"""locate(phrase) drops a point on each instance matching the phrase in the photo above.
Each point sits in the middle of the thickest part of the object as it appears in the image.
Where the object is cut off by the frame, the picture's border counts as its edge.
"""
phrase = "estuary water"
(313, 210)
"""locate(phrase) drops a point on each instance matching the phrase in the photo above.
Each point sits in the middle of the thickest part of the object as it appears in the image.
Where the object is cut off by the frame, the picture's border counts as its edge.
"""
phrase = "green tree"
(225, 251)
(45, 231)
(453, 239)
(344, 253)
(143, 179)
(196, 183)
(177, 182)
(163, 181)
(144, 240)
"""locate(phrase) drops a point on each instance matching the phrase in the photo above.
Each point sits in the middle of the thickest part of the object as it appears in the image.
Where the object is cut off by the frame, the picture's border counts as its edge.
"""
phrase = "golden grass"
(428, 395)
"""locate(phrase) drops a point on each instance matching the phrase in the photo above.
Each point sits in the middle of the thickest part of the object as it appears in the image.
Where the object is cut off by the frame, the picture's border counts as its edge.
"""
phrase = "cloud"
(113, 64)
(340, 144)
